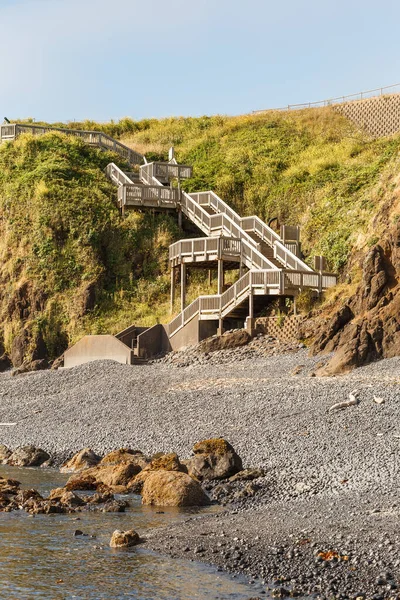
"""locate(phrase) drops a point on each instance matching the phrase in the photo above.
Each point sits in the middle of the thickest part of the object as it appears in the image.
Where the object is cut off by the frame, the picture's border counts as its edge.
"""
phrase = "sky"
(66, 60)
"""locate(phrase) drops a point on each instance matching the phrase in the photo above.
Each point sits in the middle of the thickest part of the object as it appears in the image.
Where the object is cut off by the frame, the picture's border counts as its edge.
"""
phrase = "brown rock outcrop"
(124, 539)
(367, 326)
(66, 498)
(233, 339)
(125, 455)
(166, 462)
(214, 459)
(4, 453)
(113, 477)
(172, 488)
(27, 456)
(84, 459)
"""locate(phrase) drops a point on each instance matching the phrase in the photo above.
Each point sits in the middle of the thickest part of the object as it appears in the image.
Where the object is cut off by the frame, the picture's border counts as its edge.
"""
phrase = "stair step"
(140, 362)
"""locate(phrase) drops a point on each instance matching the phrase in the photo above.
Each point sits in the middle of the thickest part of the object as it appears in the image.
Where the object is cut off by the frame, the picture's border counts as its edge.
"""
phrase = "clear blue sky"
(102, 59)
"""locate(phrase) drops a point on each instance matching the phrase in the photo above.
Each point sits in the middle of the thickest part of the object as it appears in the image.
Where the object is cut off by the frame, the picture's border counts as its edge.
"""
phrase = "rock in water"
(172, 488)
(27, 456)
(113, 477)
(84, 459)
(124, 539)
(66, 498)
(214, 459)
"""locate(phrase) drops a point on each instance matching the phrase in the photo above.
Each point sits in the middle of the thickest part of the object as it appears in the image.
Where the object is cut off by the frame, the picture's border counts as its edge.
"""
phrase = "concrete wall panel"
(97, 347)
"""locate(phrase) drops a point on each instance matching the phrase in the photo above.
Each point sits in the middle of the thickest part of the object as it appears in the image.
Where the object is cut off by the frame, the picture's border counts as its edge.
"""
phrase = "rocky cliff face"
(367, 326)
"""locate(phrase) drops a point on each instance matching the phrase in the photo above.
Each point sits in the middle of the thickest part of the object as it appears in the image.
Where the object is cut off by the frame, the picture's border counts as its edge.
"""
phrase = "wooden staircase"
(269, 264)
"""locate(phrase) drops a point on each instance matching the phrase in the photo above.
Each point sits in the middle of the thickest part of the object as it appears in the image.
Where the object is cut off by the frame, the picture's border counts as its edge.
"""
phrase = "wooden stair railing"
(94, 138)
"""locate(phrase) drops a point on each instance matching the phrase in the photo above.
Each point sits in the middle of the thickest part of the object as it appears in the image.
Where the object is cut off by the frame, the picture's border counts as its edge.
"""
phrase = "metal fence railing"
(381, 91)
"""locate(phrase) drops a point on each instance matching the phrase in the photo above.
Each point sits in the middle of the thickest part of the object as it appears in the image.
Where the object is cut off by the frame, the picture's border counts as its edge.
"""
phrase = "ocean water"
(40, 558)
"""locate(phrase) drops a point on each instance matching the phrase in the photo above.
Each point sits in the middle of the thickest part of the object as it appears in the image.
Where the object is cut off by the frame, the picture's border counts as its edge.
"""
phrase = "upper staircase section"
(274, 261)
(261, 247)
(256, 229)
(160, 173)
(132, 192)
(93, 138)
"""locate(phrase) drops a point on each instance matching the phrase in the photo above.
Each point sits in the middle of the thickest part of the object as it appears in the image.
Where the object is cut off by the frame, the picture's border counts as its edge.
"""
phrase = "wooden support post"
(294, 306)
(183, 285)
(220, 326)
(180, 219)
(172, 288)
(251, 305)
(209, 277)
(220, 276)
(250, 318)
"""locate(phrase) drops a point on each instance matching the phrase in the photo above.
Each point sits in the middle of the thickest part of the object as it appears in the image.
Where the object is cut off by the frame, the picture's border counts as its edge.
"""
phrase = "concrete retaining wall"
(152, 342)
(379, 116)
(285, 329)
(192, 333)
(97, 347)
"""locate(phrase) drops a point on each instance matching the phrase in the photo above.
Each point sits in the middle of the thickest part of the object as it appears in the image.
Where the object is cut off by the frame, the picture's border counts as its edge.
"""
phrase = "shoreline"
(281, 544)
(330, 481)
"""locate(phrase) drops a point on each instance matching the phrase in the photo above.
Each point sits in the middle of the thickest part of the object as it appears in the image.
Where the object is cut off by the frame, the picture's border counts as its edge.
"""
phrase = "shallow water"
(41, 558)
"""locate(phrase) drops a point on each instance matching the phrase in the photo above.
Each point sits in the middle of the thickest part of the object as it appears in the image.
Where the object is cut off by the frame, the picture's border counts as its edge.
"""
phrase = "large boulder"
(113, 477)
(165, 462)
(27, 456)
(232, 339)
(116, 475)
(125, 455)
(124, 539)
(214, 459)
(172, 488)
(84, 459)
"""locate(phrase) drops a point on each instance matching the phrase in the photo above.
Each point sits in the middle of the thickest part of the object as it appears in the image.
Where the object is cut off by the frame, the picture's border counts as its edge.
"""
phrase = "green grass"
(67, 259)
(63, 240)
(309, 167)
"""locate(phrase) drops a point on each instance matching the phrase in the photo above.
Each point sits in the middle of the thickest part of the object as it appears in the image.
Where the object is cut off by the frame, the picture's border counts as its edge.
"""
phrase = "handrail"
(116, 175)
(218, 305)
(253, 223)
(209, 248)
(221, 223)
(337, 100)
(217, 204)
(153, 170)
(96, 138)
(147, 195)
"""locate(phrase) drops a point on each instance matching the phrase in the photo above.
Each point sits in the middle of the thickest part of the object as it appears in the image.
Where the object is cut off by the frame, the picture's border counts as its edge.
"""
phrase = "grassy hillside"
(70, 264)
(309, 167)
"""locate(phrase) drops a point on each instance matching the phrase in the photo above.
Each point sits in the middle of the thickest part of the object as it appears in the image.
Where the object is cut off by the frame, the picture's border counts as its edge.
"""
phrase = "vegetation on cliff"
(309, 167)
(70, 264)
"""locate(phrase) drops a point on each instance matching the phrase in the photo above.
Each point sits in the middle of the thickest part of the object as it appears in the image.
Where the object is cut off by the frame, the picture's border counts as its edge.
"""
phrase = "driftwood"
(378, 400)
(352, 401)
